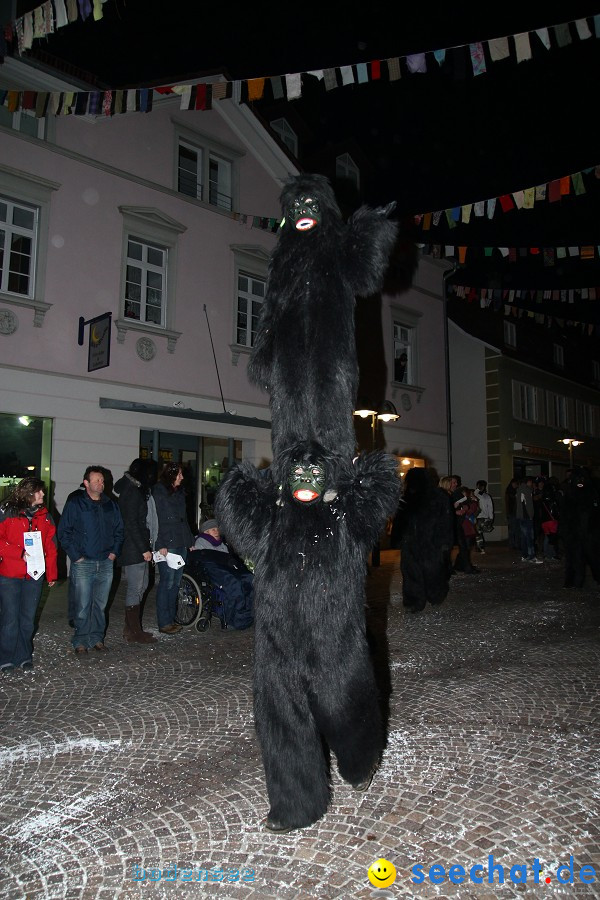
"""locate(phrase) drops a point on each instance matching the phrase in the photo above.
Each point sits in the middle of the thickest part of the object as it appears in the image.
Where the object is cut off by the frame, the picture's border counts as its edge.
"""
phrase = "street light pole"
(570, 442)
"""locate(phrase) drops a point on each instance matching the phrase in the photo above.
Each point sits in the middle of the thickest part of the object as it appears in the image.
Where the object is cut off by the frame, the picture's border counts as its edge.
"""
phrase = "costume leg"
(292, 751)
(347, 714)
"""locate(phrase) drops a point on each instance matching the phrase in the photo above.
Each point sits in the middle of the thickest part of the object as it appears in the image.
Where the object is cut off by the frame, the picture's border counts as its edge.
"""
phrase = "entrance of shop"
(204, 461)
(25, 449)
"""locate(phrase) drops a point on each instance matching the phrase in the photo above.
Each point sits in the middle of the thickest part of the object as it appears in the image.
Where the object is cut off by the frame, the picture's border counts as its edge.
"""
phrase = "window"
(527, 404)
(403, 354)
(23, 121)
(206, 174)
(286, 134)
(558, 356)
(145, 283)
(149, 273)
(346, 168)
(250, 296)
(510, 334)
(250, 288)
(587, 417)
(557, 410)
(24, 215)
(18, 234)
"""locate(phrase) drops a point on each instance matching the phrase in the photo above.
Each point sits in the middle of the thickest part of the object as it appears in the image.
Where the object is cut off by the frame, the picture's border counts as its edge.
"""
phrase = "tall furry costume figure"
(579, 527)
(305, 350)
(424, 529)
(309, 536)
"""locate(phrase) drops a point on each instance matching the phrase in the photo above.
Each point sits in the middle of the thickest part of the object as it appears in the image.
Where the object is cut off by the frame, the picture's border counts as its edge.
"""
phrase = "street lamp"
(386, 413)
(570, 442)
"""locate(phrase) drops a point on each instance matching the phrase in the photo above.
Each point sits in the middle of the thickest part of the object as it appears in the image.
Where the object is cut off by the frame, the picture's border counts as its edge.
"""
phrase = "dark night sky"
(436, 140)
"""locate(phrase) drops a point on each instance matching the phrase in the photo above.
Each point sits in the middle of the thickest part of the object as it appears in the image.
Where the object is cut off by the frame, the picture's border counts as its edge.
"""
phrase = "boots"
(132, 631)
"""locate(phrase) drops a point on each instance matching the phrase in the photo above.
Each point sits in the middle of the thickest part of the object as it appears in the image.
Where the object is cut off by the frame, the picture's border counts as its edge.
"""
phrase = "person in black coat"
(579, 519)
(174, 536)
(424, 530)
(133, 490)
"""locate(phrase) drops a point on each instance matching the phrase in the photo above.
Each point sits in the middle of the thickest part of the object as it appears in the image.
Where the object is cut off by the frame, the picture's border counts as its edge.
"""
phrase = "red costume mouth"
(305, 223)
(305, 495)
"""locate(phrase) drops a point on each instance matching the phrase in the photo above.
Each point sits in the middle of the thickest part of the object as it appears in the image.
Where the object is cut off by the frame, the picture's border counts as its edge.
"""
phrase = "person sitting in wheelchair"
(227, 571)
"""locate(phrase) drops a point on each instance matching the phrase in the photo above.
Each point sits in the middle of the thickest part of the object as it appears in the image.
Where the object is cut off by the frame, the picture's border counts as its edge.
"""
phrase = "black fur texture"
(313, 679)
(579, 527)
(305, 349)
(424, 529)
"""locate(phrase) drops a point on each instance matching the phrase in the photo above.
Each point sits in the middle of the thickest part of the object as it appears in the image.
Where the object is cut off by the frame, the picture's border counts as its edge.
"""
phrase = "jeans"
(19, 599)
(137, 576)
(168, 588)
(527, 538)
(91, 581)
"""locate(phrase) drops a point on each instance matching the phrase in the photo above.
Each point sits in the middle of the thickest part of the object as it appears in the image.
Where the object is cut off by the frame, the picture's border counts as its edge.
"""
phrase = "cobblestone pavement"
(146, 757)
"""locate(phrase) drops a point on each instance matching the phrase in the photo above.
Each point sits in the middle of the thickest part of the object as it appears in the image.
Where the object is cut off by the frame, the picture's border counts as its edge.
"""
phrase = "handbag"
(550, 526)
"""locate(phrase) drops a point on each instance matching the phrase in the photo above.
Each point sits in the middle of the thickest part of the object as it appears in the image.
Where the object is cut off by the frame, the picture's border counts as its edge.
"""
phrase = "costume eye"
(299, 470)
(316, 471)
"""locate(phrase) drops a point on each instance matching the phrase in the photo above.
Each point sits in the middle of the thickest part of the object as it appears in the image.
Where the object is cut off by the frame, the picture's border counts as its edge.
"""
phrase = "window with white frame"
(24, 121)
(558, 355)
(206, 174)
(250, 287)
(24, 216)
(510, 334)
(526, 403)
(557, 410)
(150, 244)
(146, 282)
(346, 168)
(587, 418)
(286, 134)
(18, 234)
(403, 353)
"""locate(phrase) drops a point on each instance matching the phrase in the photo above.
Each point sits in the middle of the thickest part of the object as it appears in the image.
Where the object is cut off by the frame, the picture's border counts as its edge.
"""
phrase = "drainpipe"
(445, 276)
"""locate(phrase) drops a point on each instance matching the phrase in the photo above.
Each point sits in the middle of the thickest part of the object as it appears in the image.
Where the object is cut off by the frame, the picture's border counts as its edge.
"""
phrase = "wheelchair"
(198, 599)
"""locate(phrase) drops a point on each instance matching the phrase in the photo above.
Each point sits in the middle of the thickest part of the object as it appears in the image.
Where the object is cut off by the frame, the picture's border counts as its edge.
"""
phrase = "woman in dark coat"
(424, 530)
(134, 491)
(174, 536)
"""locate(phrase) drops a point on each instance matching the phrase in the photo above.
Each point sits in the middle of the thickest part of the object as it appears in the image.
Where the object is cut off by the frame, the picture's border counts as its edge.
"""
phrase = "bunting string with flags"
(17, 37)
(549, 256)
(534, 302)
(524, 198)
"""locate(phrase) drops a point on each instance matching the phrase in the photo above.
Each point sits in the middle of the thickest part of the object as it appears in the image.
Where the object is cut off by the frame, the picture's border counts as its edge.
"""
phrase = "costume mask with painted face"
(305, 212)
(306, 481)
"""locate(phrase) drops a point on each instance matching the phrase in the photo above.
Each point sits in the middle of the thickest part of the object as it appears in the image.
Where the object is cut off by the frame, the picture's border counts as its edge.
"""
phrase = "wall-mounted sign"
(98, 340)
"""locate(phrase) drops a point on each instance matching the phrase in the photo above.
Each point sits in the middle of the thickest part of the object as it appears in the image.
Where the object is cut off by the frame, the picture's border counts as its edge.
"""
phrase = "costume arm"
(244, 504)
(368, 493)
(369, 240)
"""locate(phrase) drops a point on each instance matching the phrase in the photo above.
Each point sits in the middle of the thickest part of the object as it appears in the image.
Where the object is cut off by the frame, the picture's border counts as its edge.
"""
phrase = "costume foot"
(366, 783)
(277, 828)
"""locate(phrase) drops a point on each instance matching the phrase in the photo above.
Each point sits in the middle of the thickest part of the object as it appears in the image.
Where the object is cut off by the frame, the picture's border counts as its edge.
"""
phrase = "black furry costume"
(313, 677)
(305, 349)
(424, 528)
(579, 527)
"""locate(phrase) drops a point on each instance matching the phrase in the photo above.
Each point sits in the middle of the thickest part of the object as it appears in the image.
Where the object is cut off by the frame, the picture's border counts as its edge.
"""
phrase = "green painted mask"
(306, 482)
(305, 213)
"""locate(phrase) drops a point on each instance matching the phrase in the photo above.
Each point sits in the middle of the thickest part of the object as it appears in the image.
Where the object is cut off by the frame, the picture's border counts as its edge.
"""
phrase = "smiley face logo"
(381, 873)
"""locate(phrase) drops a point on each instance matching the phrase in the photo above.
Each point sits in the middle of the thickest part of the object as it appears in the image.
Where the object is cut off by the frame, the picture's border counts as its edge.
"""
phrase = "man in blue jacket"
(91, 534)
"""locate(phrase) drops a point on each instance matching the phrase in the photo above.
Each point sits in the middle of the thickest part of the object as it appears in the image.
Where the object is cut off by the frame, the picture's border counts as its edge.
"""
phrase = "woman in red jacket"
(21, 516)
